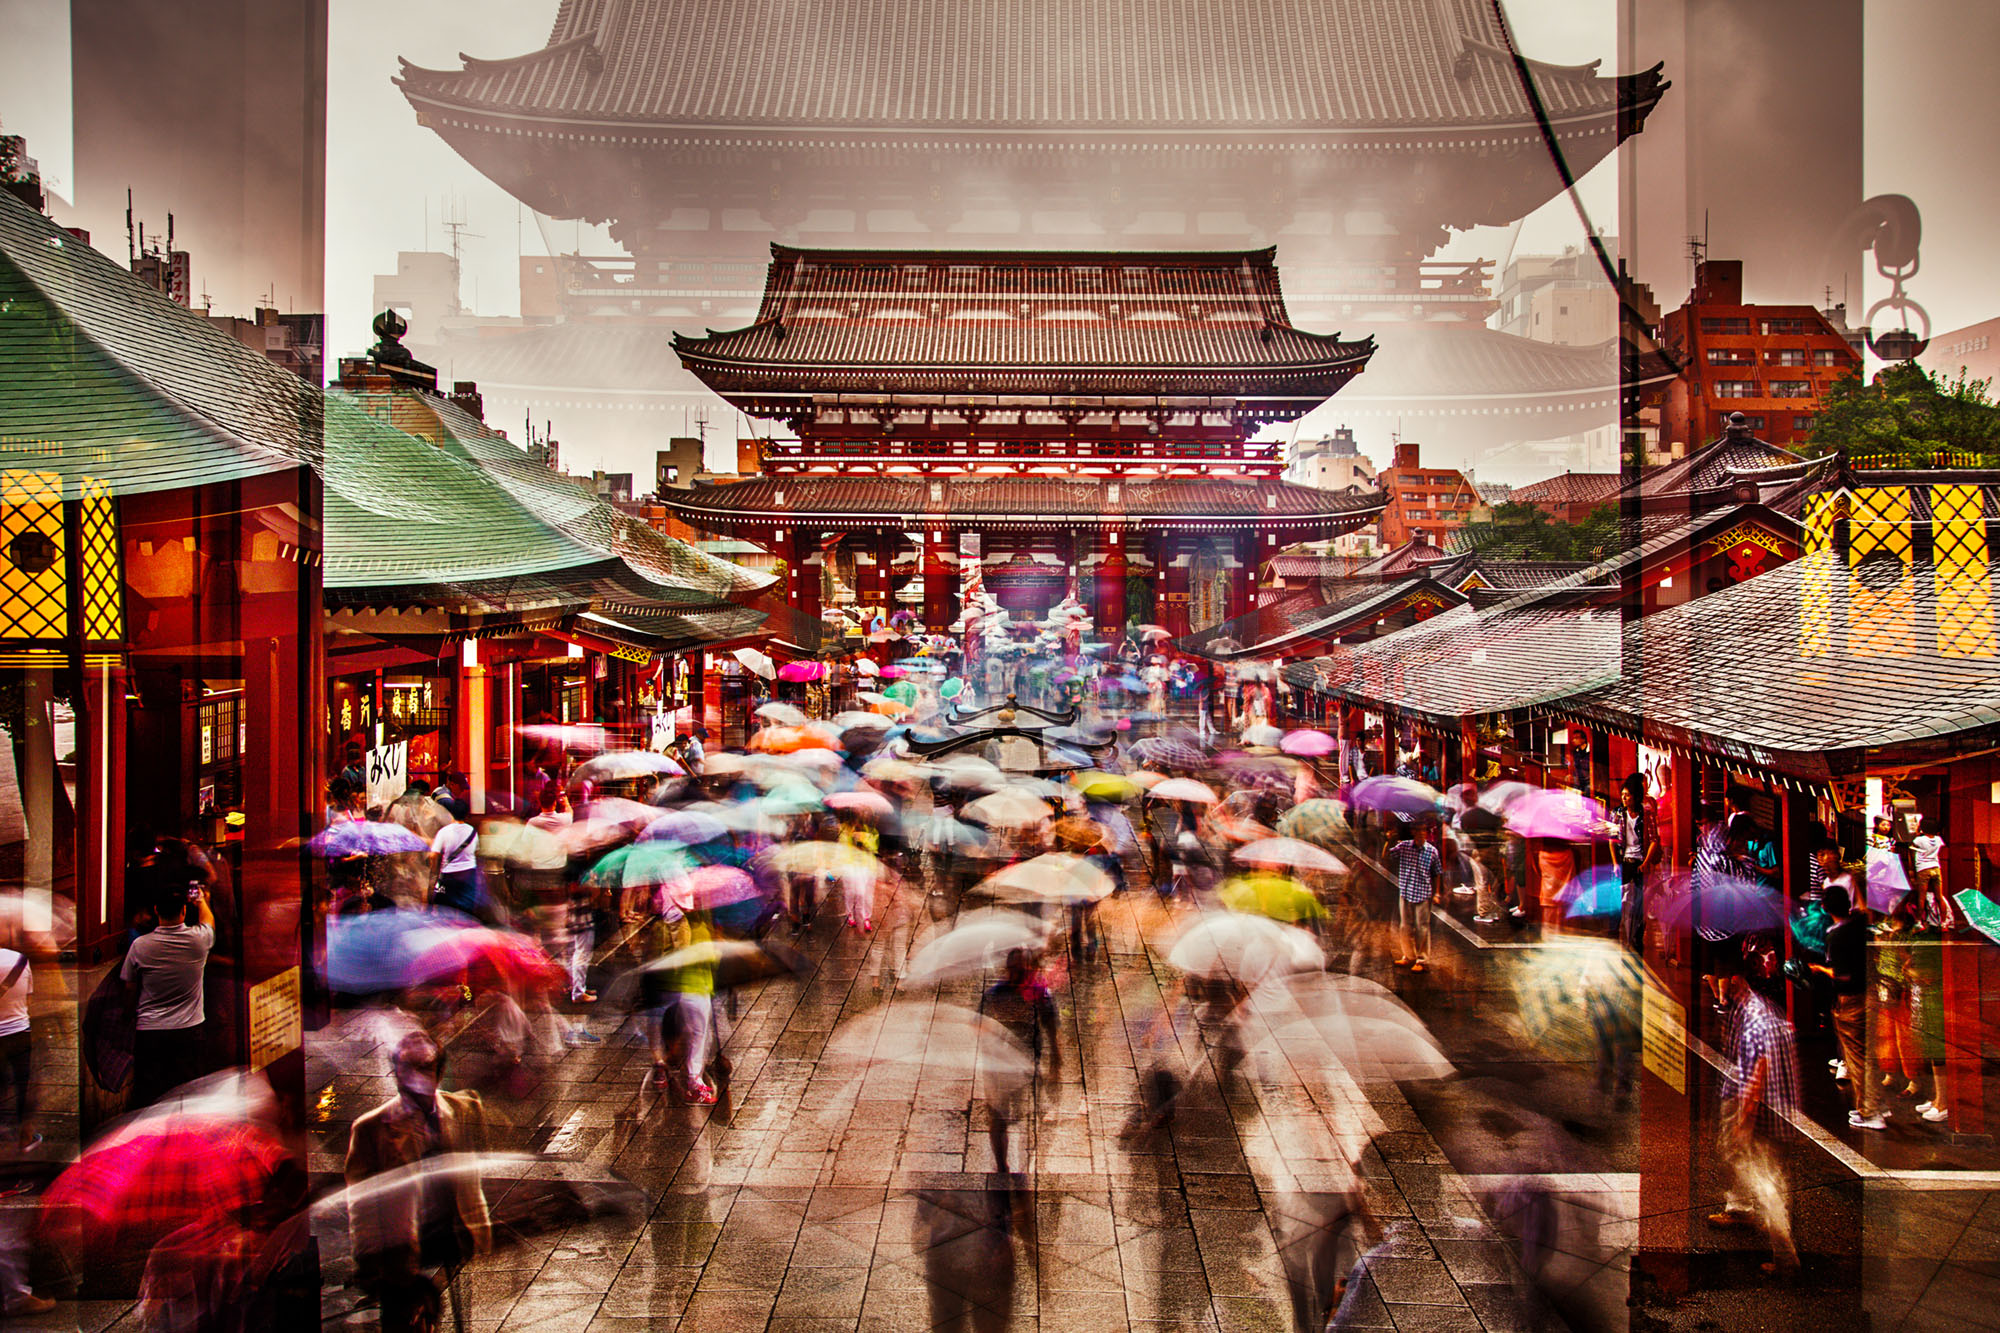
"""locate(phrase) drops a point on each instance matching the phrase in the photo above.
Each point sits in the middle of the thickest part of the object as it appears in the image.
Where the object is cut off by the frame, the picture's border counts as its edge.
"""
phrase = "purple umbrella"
(687, 827)
(1393, 795)
(1312, 744)
(1558, 813)
(1164, 752)
(366, 838)
(1886, 881)
(1726, 906)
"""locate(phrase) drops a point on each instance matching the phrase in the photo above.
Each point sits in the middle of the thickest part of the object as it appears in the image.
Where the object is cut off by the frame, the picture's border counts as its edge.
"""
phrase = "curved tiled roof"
(1570, 488)
(1005, 497)
(1143, 65)
(106, 380)
(1433, 361)
(1715, 465)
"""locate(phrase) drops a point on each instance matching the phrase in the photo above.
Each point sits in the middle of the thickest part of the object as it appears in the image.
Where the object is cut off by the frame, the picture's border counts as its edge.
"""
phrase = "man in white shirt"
(169, 963)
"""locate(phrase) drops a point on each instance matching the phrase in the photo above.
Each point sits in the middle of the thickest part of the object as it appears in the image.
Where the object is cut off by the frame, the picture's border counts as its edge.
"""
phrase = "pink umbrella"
(1311, 744)
(1558, 813)
(870, 804)
(706, 888)
(801, 671)
(892, 672)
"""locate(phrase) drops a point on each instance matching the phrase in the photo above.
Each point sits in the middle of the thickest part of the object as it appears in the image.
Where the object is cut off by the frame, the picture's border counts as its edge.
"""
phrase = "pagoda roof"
(1570, 488)
(1715, 466)
(999, 499)
(106, 383)
(959, 323)
(1139, 66)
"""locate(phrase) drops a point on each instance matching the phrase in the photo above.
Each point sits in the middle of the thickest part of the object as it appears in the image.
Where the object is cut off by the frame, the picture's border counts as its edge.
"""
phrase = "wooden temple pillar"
(1242, 579)
(939, 603)
(1110, 606)
(887, 543)
(1173, 575)
(804, 560)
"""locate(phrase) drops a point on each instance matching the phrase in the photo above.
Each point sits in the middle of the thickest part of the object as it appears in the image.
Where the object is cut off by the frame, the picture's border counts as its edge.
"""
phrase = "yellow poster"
(275, 1026)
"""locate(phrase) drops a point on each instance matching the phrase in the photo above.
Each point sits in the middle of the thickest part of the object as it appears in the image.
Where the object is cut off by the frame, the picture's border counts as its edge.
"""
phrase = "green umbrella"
(1279, 897)
(641, 865)
(902, 692)
(1319, 821)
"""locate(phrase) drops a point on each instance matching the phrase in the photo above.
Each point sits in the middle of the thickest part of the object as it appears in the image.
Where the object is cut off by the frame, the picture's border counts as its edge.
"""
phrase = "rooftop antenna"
(170, 233)
(131, 242)
(454, 223)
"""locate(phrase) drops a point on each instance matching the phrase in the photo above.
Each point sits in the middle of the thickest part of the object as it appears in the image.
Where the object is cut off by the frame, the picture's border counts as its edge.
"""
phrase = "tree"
(1523, 532)
(1911, 416)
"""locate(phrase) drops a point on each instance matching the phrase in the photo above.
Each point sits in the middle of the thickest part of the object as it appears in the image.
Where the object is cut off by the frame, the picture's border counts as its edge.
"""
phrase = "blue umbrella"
(366, 838)
(1595, 893)
(378, 951)
(690, 828)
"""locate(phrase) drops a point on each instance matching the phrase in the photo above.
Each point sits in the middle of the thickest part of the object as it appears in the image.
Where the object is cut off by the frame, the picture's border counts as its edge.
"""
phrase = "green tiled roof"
(403, 512)
(103, 378)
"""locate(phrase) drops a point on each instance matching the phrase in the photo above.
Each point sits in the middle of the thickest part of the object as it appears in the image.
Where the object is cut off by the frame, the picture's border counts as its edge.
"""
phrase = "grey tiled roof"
(103, 378)
(1803, 659)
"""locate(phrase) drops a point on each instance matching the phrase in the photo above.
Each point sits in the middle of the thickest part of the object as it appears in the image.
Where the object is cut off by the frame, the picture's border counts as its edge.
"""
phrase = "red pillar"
(804, 573)
(1173, 578)
(1110, 608)
(939, 602)
(886, 544)
(1242, 579)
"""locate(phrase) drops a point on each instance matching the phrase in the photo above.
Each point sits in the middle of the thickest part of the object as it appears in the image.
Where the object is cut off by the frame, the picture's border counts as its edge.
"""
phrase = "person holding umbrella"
(400, 1233)
(1021, 1002)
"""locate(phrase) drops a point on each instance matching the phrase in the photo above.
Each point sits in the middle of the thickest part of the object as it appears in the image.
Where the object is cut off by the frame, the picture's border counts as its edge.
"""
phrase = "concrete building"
(1973, 351)
(1423, 503)
(1769, 362)
(1562, 299)
(1332, 463)
(423, 290)
(296, 342)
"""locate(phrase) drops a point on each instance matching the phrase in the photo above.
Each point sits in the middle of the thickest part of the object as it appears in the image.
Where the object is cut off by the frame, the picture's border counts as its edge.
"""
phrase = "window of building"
(1791, 389)
(1805, 422)
(1786, 356)
(1736, 388)
(1713, 324)
(1730, 356)
(1788, 326)
(1828, 356)
(1750, 419)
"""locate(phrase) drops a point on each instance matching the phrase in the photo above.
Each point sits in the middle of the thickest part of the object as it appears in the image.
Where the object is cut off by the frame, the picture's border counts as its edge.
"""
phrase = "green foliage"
(1912, 417)
(1523, 532)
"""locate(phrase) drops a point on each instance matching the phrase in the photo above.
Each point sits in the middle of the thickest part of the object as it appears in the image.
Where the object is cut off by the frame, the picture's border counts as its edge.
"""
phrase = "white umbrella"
(1263, 733)
(1183, 789)
(1057, 877)
(1289, 852)
(625, 765)
(1008, 809)
(1249, 949)
(940, 1038)
(757, 662)
(981, 940)
(783, 714)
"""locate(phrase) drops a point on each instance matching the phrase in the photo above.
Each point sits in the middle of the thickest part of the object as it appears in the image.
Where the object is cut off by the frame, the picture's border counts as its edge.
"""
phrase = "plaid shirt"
(1759, 1032)
(1711, 858)
(1417, 869)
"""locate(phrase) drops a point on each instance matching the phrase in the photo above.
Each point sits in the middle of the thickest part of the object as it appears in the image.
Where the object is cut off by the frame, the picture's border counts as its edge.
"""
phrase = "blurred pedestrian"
(1759, 1094)
(17, 1048)
(1847, 967)
(1638, 853)
(439, 1222)
(1021, 1001)
(459, 884)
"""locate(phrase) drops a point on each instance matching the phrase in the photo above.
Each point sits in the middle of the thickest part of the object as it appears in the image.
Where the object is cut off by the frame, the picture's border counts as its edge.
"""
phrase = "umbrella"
(1074, 833)
(782, 713)
(521, 845)
(377, 951)
(1393, 795)
(952, 688)
(1368, 1048)
(902, 692)
(1007, 808)
(1249, 949)
(420, 815)
(1319, 821)
(588, 835)
(866, 667)
(1153, 633)
(1886, 881)
(642, 865)
(1595, 893)
(756, 662)
(940, 833)
(828, 860)
(797, 672)
(1263, 733)
(982, 939)
(1146, 778)
(1501, 796)
(1162, 752)
(1308, 744)
(872, 805)
(723, 764)
(1293, 853)
(513, 959)
(969, 770)
(1574, 993)
(1557, 812)
(1726, 906)
(1183, 789)
(1105, 786)
(1279, 897)
(1055, 877)
(365, 837)
(625, 765)
(125, 1195)
(940, 1038)
(731, 962)
(706, 888)
(689, 828)
(888, 768)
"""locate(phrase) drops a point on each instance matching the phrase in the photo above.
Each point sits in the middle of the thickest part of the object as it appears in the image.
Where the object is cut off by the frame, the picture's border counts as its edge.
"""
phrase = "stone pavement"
(842, 1196)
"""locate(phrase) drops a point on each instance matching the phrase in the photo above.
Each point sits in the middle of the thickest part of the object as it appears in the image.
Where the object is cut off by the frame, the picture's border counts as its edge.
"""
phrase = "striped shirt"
(1418, 866)
(1758, 1032)
(1711, 859)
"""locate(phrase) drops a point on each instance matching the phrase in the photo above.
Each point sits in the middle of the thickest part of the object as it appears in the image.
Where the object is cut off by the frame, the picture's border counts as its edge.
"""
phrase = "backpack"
(111, 1029)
